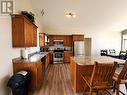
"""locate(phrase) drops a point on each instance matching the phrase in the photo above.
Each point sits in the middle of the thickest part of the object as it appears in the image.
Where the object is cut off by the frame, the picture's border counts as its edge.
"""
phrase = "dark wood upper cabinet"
(41, 39)
(68, 40)
(77, 37)
(24, 32)
(55, 37)
(51, 38)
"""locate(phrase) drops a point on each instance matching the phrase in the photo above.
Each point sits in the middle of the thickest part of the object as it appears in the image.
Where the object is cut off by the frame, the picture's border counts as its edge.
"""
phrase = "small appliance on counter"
(24, 53)
(67, 48)
(44, 49)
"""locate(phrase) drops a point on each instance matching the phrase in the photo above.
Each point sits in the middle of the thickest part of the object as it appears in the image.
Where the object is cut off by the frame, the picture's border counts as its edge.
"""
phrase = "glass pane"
(58, 55)
(125, 44)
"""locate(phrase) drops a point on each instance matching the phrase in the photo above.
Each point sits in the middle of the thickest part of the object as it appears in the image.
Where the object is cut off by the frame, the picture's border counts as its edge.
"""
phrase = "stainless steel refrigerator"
(79, 48)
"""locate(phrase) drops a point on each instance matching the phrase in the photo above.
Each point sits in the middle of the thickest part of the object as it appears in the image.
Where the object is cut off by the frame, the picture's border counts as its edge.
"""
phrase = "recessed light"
(70, 15)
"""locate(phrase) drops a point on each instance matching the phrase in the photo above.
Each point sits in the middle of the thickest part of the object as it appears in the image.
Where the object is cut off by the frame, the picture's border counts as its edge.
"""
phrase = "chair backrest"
(112, 51)
(123, 55)
(103, 52)
(123, 74)
(102, 74)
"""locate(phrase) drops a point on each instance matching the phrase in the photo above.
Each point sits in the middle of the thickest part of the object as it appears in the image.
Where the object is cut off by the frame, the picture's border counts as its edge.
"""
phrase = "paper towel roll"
(24, 53)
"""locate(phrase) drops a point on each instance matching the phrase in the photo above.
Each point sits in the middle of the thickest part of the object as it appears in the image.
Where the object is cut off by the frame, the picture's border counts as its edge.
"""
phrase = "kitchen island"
(84, 65)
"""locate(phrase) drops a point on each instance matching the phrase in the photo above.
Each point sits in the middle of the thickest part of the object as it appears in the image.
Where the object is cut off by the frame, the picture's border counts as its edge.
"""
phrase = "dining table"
(115, 55)
(83, 65)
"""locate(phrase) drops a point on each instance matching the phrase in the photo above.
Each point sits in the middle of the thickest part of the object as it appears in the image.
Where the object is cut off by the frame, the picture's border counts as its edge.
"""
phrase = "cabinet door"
(33, 71)
(39, 74)
(67, 40)
(78, 37)
(34, 36)
(67, 56)
(27, 33)
(41, 39)
(47, 60)
(17, 28)
(50, 57)
(51, 39)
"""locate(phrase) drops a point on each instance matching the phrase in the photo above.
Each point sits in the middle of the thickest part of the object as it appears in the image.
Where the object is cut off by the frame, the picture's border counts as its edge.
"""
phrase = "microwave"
(58, 42)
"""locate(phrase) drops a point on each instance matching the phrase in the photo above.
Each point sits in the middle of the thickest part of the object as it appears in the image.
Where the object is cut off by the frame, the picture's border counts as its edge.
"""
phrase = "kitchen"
(62, 46)
(54, 49)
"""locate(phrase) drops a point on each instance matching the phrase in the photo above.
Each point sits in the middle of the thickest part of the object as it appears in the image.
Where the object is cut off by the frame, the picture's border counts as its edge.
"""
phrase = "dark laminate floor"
(57, 81)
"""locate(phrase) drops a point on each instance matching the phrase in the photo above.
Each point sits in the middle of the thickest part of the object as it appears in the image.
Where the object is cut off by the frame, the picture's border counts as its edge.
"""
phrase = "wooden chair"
(123, 55)
(101, 78)
(120, 78)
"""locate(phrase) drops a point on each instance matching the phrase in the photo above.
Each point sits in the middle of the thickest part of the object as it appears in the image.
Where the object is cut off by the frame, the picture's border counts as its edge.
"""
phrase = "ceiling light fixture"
(70, 15)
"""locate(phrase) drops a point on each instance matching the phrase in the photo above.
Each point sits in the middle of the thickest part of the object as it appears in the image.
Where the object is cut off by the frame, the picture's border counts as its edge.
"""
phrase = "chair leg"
(97, 92)
(117, 91)
(126, 85)
(90, 91)
(108, 92)
(114, 86)
(85, 89)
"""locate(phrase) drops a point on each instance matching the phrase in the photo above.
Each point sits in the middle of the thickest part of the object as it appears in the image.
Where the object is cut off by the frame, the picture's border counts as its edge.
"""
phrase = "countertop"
(32, 59)
(89, 60)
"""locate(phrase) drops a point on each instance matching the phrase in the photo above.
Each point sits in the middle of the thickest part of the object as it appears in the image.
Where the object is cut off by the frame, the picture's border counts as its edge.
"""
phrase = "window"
(125, 44)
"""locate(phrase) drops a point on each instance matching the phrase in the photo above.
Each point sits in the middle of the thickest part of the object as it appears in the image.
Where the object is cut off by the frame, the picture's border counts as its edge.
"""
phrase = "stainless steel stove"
(58, 51)
(58, 55)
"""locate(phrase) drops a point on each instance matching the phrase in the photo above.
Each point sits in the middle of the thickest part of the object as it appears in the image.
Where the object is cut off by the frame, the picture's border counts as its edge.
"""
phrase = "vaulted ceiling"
(92, 15)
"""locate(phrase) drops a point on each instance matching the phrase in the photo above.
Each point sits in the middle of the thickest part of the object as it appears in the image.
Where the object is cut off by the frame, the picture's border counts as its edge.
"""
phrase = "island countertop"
(89, 60)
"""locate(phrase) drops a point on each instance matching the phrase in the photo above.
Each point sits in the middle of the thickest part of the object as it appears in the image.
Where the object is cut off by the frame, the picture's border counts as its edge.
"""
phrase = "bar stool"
(120, 78)
(101, 78)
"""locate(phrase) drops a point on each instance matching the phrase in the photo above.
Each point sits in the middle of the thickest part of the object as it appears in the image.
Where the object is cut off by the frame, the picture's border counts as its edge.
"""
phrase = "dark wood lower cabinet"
(51, 58)
(36, 68)
(67, 55)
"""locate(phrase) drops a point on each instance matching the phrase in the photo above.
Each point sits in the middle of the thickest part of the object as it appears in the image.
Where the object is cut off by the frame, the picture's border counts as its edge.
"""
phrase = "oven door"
(58, 57)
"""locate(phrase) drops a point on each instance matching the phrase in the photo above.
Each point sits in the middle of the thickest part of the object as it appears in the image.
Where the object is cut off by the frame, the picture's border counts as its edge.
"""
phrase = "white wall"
(7, 53)
(105, 40)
